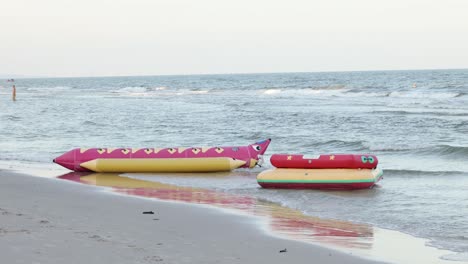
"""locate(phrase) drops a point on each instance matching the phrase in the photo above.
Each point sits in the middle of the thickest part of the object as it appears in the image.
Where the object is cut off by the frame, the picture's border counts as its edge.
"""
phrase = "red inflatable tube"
(327, 161)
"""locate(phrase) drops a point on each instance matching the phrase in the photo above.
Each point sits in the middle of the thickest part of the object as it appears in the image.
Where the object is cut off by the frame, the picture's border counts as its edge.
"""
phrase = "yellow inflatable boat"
(319, 178)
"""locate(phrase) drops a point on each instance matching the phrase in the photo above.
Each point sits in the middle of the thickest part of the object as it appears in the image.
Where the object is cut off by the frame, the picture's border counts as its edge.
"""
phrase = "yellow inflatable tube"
(163, 165)
(319, 178)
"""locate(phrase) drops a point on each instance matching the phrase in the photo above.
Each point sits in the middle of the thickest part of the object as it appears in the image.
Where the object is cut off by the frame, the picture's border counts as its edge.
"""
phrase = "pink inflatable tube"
(251, 154)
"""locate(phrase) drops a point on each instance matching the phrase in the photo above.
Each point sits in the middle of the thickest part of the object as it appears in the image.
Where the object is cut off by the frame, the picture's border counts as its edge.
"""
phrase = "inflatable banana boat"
(319, 178)
(194, 159)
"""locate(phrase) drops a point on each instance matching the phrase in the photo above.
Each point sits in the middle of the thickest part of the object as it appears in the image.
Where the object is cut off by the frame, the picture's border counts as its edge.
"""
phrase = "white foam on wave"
(138, 91)
(323, 92)
(330, 87)
(48, 89)
(428, 111)
(422, 94)
(342, 91)
(131, 89)
(305, 92)
(365, 94)
(185, 92)
(199, 92)
(271, 91)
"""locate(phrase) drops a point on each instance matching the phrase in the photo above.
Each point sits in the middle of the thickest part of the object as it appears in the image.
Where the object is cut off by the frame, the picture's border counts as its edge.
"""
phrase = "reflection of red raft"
(331, 171)
(329, 161)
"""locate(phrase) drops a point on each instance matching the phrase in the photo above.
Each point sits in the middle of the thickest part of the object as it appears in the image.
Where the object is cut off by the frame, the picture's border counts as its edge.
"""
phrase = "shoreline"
(380, 247)
(50, 221)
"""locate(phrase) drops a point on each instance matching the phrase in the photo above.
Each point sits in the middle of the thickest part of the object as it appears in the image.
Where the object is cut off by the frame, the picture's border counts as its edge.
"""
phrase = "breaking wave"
(340, 144)
(141, 91)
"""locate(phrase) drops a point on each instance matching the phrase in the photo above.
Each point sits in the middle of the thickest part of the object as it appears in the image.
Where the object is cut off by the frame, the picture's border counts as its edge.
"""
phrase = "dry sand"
(52, 221)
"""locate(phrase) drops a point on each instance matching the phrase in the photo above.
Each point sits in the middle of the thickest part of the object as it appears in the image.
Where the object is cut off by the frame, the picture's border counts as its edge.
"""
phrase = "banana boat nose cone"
(66, 160)
(264, 145)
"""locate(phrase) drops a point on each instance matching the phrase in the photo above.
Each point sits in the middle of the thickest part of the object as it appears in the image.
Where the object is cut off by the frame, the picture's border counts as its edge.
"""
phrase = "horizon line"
(20, 76)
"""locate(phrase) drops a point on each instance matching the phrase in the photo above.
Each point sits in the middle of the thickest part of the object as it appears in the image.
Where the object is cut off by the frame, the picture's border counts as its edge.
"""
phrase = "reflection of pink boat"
(250, 154)
(282, 220)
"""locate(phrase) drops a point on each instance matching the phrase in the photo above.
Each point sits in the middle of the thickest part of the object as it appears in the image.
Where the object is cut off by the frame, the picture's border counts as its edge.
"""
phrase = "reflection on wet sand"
(280, 220)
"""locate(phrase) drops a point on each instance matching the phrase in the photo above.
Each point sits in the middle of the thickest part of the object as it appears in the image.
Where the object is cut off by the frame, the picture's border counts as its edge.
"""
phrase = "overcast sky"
(153, 37)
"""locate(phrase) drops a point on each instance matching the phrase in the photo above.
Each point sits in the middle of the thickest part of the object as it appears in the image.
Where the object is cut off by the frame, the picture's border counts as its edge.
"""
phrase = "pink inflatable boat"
(251, 154)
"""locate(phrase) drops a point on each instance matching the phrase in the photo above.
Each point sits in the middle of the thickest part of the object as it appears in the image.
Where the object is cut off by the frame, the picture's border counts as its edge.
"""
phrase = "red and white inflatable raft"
(330, 171)
(328, 161)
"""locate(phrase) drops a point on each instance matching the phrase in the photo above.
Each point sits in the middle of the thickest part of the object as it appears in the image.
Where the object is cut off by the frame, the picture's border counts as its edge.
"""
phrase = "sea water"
(416, 122)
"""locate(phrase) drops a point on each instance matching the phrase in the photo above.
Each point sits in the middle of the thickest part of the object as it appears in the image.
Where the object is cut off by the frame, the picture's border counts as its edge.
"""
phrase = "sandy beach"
(46, 220)
(109, 109)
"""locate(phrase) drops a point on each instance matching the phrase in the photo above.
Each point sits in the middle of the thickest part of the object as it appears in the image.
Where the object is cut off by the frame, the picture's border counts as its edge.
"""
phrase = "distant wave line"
(434, 113)
(403, 172)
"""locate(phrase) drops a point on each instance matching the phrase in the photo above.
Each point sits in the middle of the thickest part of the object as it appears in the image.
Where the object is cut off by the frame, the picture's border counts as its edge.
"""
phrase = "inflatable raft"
(194, 159)
(329, 171)
(328, 161)
(319, 178)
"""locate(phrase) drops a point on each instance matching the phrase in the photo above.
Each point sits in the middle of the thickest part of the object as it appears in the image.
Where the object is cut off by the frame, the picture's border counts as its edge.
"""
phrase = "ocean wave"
(158, 88)
(131, 90)
(271, 91)
(330, 87)
(451, 112)
(355, 93)
(11, 118)
(141, 91)
(340, 144)
(447, 151)
(26, 157)
(287, 92)
(416, 173)
(344, 91)
(138, 91)
(424, 94)
(393, 148)
(462, 127)
(48, 89)
(199, 91)
(89, 123)
(403, 94)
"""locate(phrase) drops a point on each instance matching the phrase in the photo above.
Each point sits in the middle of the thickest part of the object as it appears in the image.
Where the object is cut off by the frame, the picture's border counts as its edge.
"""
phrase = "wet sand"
(45, 220)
